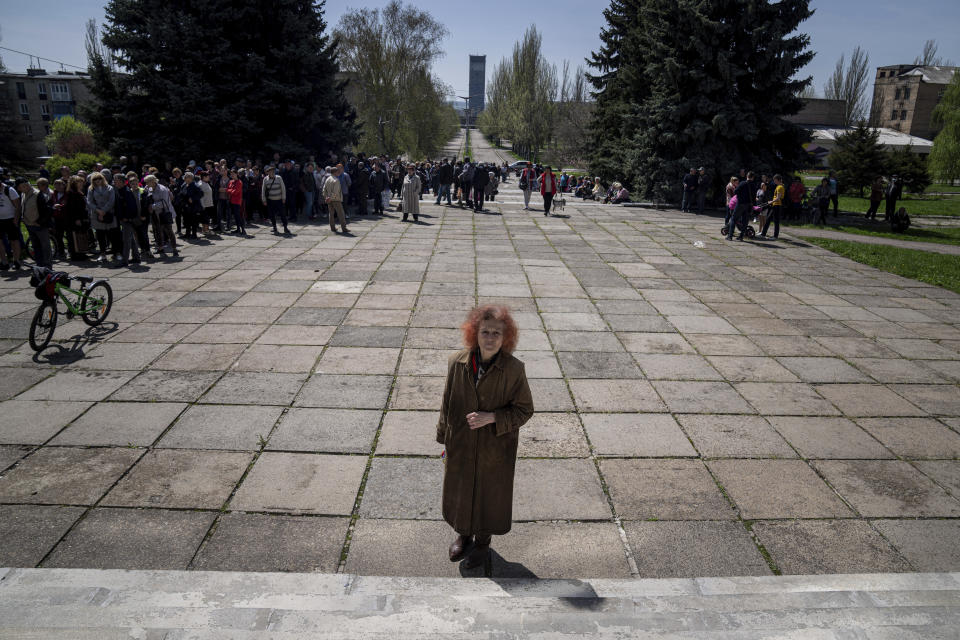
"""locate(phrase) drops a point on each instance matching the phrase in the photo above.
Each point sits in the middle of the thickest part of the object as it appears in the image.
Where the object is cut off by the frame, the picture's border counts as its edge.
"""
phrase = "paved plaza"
(269, 404)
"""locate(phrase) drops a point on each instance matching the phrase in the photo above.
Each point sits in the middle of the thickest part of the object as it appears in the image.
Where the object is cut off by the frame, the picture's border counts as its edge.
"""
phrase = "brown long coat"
(478, 478)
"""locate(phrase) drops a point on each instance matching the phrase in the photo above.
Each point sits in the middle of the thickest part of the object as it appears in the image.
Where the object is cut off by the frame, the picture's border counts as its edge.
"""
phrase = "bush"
(84, 161)
(69, 137)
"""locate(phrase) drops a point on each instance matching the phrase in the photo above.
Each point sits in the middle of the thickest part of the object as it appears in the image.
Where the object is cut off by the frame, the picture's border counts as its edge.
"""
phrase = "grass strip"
(933, 268)
(945, 235)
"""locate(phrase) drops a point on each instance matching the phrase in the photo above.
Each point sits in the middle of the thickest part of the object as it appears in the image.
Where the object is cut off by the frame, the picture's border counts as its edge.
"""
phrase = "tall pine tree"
(617, 88)
(213, 77)
(714, 79)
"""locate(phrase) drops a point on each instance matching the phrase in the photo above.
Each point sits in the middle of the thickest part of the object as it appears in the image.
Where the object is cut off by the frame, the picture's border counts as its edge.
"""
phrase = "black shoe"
(479, 555)
(16, 265)
(286, 231)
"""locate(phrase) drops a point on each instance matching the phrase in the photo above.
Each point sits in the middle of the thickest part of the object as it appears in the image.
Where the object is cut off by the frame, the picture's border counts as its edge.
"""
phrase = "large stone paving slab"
(30, 531)
(717, 421)
(132, 539)
(266, 542)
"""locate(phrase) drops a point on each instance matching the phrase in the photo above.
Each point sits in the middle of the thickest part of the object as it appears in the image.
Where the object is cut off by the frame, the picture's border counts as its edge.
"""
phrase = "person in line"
(410, 194)
(548, 189)
(37, 216)
(486, 399)
(101, 201)
(206, 202)
(273, 194)
(333, 196)
(379, 181)
(128, 214)
(235, 191)
(797, 192)
(158, 196)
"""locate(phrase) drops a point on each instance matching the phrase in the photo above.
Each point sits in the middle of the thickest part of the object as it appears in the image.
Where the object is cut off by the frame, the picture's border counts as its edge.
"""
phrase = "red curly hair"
(498, 313)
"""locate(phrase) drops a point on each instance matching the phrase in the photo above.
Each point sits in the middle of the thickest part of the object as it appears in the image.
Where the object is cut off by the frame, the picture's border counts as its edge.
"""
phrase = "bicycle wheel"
(42, 326)
(96, 303)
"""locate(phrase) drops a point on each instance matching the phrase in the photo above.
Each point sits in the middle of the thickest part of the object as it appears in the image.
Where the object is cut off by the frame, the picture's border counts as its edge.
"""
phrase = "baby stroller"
(748, 230)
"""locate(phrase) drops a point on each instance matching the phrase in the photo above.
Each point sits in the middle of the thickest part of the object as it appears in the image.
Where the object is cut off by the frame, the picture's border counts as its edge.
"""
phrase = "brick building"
(904, 96)
(31, 101)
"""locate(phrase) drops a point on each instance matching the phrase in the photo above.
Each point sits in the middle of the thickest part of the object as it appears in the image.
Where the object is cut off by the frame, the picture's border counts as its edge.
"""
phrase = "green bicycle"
(92, 302)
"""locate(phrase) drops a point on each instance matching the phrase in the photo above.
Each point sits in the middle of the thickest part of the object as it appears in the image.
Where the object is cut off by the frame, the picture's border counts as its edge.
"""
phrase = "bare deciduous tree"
(96, 50)
(849, 83)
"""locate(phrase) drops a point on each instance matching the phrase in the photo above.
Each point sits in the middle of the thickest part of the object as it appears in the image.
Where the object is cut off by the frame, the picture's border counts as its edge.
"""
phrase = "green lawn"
(946, 235)
(933, 268)
(916, 206)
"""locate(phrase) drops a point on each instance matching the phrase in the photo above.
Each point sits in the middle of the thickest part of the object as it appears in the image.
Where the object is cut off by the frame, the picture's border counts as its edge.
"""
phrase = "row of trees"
(539, 112)
(859, 158)
(387, 56)
(217, 77)
(684, 83)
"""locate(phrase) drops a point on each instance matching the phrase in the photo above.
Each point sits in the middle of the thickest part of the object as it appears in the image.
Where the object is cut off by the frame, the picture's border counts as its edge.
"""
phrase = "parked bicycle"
(91, 302)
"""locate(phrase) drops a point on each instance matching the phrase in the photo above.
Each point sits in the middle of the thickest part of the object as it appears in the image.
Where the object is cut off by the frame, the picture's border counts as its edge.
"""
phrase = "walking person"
(776, 207)
(466, 181)
(703, 183)
(528, 180)
(273, 194)
(834, 193)
(192, 196)
(746, 193)
(410, 194)
(486, 399)
(445, 180)
(333, 196)
(548, 189)
(480, 180)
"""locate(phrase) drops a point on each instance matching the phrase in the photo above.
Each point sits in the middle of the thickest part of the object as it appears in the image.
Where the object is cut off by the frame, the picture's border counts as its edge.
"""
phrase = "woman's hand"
(479, 419)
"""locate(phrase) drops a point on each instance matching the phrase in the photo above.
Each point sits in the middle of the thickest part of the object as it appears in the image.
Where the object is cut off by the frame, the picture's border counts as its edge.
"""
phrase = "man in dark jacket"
(291, 182)
(480, 179)
(444, 179)
(746, 197)
(361, 187)
(128, 214)
(689, 190)
(703, 183)
(892, 194)
(379, 182)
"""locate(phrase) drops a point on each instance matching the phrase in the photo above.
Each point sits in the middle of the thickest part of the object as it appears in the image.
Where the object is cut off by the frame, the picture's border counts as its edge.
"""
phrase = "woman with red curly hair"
(485, 402)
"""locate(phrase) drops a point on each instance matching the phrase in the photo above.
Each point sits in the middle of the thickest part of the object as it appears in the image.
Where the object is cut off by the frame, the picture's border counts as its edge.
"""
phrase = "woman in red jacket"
(548, 188)
(235, 196)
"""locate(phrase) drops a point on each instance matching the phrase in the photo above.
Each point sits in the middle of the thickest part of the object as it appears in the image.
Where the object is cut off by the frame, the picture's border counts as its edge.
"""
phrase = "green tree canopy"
(859, 158)
(214, 77)
(944, 161)
(698, 82)
(388, 55)
(522, 94)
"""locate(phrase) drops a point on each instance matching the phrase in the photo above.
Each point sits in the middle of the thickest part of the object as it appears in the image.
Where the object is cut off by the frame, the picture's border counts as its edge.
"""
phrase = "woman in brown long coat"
(485, 402)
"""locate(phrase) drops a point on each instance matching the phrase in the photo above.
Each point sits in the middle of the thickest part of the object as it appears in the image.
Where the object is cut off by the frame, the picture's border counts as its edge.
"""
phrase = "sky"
(891, 32)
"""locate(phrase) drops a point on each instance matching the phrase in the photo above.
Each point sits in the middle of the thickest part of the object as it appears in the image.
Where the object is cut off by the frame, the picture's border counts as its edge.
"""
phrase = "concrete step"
(106, 604)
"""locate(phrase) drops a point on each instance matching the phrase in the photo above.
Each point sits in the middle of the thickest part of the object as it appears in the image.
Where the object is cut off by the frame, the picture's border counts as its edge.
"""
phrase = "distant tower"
(478, 82)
